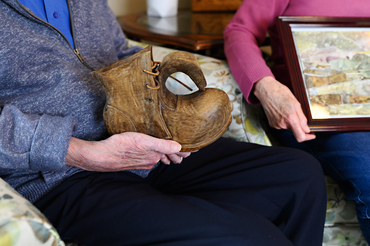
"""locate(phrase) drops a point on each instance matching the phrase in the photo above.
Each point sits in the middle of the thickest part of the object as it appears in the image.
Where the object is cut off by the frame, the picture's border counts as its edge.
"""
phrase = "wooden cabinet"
(215, 5)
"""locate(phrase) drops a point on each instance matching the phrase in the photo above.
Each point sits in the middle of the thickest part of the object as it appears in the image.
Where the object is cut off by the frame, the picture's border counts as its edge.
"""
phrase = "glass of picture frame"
(328, 59)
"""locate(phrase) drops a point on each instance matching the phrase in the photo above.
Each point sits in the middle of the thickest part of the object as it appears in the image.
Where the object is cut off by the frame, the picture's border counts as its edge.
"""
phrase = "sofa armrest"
(21, 223)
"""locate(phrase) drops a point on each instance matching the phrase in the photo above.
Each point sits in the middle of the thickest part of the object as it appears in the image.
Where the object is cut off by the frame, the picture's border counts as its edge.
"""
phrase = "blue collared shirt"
(55, 12)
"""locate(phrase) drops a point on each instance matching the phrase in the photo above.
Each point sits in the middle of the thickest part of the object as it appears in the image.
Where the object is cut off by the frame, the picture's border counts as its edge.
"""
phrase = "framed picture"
(328, 60)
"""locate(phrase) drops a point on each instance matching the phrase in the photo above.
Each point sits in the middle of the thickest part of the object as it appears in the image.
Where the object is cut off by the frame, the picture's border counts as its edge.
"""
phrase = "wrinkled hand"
(282, 109)
(129, 150)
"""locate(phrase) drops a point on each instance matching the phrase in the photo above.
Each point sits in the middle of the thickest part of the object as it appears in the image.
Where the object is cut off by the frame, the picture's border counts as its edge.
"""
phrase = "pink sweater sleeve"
(243, 35)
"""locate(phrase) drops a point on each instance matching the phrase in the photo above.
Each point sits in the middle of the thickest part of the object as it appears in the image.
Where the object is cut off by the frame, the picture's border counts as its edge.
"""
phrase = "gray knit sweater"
(47, 94)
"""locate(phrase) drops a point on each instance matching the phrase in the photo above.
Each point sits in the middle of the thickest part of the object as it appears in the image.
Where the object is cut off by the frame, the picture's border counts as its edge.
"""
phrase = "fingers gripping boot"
(139, 101)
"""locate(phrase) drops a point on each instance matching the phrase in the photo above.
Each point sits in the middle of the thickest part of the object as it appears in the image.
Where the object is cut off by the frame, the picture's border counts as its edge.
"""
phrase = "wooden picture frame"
(328, 59)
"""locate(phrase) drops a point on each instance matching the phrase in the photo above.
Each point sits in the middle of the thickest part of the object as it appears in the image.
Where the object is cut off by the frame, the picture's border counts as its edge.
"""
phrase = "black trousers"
(229, 193)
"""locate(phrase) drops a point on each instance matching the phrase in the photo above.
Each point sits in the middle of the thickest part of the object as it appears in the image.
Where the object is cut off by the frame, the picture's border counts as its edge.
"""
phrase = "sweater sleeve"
(120, 41)
(243, 35)
(30, 141)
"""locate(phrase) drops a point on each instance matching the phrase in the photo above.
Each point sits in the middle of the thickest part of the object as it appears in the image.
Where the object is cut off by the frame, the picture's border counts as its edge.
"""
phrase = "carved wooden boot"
(139, 101)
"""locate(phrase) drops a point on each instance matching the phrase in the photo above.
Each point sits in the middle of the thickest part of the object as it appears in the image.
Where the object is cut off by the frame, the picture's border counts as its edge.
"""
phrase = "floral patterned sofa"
(22, 224)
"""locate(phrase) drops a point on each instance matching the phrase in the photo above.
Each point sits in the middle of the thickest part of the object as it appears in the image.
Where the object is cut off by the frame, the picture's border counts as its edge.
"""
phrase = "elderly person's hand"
(282, 109)
(129, 150)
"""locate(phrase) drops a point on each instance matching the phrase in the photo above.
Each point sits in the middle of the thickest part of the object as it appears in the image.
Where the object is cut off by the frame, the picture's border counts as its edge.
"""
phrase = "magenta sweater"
(254, 19)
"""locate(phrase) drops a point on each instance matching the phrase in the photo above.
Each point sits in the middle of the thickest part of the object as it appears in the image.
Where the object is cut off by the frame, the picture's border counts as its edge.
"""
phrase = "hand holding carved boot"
(139, 101)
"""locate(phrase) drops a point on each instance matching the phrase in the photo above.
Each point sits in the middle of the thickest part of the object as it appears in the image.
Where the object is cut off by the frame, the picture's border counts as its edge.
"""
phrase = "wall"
(124, 7)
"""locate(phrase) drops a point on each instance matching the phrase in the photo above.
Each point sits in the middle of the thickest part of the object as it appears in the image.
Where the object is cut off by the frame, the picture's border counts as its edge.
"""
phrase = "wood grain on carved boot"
(139, 101)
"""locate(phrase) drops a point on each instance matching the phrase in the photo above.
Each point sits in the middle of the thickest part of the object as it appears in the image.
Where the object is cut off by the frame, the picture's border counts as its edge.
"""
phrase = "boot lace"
(155, 73)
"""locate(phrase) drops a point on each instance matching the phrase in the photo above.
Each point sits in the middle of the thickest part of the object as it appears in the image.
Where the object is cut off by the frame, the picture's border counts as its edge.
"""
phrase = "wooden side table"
(190, 30)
